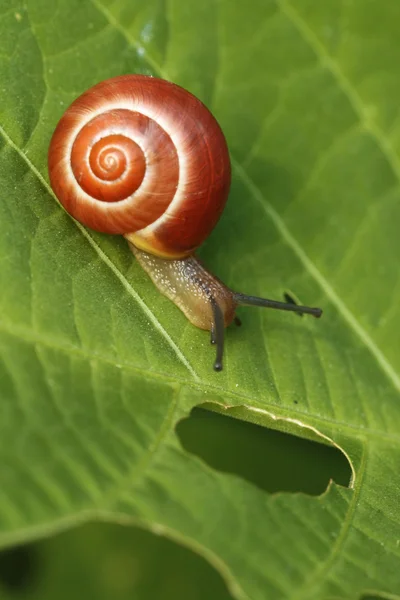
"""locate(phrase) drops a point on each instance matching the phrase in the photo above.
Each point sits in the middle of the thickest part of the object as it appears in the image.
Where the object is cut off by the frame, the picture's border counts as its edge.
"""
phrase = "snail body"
(142, 157)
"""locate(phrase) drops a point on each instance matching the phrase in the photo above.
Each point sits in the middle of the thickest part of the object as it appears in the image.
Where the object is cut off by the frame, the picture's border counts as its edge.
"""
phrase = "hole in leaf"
(272, 460)
(18, 567)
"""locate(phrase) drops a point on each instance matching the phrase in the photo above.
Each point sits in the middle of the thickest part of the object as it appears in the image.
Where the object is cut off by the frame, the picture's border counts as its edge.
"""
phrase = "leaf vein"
(330, 292)
(129, 38)
(125, 283)
(320, 574)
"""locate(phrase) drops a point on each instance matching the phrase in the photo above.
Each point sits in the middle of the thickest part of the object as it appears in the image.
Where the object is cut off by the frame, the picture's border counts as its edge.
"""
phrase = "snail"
(142, 157)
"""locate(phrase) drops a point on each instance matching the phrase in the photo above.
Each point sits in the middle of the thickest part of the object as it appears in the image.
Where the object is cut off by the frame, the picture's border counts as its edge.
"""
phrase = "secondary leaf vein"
(331, 293)
(152, 318)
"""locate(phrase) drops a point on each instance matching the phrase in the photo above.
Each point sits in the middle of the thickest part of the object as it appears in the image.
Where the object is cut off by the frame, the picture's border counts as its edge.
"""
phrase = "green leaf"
(97, 369)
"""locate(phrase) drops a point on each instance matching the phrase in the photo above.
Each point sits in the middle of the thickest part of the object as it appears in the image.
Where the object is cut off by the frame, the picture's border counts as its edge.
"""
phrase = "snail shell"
(142, 157)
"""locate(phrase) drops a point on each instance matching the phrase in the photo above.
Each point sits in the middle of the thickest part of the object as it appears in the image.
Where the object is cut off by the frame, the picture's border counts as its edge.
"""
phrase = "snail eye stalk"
(217, 333)
(243, 300)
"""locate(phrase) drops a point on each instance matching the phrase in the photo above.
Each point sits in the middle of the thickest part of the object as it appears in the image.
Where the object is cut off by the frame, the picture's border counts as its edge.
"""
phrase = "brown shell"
(140, 156)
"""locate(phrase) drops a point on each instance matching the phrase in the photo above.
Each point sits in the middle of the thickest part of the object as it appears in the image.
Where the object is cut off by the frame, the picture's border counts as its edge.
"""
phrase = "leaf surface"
(97, 368)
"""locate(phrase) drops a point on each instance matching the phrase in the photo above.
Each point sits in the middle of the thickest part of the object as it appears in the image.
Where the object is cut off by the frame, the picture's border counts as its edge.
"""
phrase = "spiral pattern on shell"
(140, 156)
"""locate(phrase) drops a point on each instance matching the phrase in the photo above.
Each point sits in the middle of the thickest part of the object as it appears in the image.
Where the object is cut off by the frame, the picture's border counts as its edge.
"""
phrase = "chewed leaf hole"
(18, 568)
(272, 460)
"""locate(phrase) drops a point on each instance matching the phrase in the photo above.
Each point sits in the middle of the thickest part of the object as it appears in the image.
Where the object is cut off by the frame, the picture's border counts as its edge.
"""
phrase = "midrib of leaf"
(149, 314)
